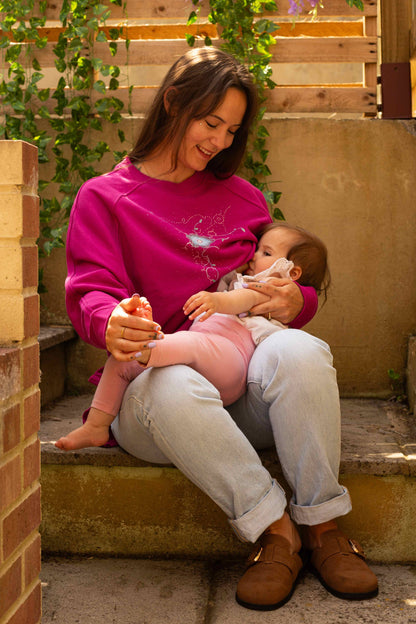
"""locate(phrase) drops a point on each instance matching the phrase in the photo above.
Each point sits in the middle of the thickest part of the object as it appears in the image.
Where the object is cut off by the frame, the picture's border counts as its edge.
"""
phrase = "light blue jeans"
(174, 415)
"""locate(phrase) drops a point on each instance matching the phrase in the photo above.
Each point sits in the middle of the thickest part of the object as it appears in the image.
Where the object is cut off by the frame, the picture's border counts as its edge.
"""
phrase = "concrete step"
(132, 591)
(105, 502)
(53, 342)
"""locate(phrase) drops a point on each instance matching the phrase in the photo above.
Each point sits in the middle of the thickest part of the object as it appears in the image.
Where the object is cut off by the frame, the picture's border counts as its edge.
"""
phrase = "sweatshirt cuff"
(310, 306)
(98, 326)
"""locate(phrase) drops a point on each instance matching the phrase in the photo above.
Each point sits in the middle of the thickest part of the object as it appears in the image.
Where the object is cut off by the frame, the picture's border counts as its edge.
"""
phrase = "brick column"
(20, 591)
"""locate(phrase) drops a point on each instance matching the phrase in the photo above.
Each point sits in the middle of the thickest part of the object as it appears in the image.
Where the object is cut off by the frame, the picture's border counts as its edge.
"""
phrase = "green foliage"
(397, 384)
(248, 36)
(67, 112)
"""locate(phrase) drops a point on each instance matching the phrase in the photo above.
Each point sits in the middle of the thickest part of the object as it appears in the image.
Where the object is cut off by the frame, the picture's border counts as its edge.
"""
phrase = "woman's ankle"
(311, 534)
(287, 529)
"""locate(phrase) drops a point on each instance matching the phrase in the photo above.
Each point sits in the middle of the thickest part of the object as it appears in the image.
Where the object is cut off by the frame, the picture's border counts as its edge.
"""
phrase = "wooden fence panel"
(156, 31)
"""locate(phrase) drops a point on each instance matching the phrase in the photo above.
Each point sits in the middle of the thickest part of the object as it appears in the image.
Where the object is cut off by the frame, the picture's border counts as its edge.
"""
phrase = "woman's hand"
(131, 329)
(285, 303)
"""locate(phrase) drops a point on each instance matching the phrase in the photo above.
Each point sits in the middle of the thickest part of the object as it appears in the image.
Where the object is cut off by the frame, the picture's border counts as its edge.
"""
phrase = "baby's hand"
(201, 303)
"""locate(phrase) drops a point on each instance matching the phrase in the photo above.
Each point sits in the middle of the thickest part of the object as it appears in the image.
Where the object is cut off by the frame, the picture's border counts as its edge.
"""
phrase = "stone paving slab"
(131, 591)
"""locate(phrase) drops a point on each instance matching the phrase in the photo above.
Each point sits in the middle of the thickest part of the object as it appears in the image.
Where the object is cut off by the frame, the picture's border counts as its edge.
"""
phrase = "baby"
(222, 339)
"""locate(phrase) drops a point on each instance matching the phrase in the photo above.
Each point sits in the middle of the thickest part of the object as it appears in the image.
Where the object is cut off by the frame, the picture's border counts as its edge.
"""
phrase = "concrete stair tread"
(378, 438)
(52, 335)
(103, 501)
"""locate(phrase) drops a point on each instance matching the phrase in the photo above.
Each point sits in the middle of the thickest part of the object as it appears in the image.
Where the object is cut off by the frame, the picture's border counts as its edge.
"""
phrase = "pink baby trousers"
(219, 348)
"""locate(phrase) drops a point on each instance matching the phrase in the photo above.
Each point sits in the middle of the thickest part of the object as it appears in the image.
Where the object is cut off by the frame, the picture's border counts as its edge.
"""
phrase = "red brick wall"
(20, 512)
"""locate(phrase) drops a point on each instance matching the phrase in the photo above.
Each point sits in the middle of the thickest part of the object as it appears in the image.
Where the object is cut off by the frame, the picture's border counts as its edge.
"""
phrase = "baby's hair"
(310, 254)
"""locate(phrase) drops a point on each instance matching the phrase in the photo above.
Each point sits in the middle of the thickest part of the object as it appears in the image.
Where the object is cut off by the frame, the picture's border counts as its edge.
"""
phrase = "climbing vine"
(249, 36)
(67, 112)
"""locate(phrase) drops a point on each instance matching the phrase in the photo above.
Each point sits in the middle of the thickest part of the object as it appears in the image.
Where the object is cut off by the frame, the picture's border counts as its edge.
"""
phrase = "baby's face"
(273, 245)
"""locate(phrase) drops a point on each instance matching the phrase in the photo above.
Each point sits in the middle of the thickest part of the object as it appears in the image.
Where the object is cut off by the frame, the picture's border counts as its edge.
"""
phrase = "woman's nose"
(220, 140)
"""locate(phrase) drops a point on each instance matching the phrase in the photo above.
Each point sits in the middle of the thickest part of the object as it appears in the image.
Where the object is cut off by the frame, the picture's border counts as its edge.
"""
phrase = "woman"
(169, 221)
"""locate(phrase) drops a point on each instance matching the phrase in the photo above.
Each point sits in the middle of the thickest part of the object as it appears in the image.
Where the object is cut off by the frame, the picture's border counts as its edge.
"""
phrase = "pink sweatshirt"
(130, 233)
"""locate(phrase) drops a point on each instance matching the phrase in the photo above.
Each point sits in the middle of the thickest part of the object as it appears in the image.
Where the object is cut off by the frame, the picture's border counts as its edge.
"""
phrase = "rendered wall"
(353, 183)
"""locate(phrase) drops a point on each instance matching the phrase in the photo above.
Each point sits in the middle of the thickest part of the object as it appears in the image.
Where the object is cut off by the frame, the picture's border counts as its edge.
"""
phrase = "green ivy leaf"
(13, 53)
(99, 86)
(101, 37)
(114, 33)
(60, 65)
(193, 16)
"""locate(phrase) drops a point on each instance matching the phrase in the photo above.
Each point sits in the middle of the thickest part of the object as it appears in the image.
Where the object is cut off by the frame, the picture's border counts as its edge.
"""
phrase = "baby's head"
(307, 252)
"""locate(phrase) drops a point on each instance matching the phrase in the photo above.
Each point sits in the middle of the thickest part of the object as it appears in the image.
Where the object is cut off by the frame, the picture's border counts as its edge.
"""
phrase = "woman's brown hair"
(195, 86)
(310, 254)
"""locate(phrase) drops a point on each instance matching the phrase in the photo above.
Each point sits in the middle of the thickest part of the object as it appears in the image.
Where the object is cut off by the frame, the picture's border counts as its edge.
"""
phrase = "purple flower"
(296, 6)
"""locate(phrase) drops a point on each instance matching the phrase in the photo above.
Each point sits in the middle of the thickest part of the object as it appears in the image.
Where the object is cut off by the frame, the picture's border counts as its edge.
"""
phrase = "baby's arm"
(229, 302)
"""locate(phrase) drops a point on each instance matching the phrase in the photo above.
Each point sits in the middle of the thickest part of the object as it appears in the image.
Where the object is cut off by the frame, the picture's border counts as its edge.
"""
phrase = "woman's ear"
(168, 97)
(295, 273)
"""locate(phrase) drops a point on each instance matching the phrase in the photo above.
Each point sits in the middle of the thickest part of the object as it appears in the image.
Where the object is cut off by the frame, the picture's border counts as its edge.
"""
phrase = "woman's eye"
(266, 253)
(210, 125)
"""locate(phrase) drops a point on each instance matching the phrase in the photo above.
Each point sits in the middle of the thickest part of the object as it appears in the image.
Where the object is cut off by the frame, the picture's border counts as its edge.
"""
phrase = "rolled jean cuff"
(251, 525)
(316, 514)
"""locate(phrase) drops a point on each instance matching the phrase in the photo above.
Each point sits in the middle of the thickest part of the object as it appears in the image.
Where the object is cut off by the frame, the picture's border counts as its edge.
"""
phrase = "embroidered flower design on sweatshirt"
(206, 234)
(199, 241)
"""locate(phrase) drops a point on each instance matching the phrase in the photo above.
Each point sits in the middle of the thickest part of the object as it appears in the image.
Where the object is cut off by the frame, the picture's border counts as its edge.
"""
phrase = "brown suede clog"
(339, 563)
(270, 578)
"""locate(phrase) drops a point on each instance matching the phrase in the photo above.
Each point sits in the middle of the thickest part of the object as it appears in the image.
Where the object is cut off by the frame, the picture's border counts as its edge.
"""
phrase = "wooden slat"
(171, 9)
(292, 99)
(396, 21)
(139, 9)
(202, 29)
(303, 50)
(325, 50)
(297, 99)
(319, 29)
(370, 69)
(138, 32)
(413, 35)
(321, 100)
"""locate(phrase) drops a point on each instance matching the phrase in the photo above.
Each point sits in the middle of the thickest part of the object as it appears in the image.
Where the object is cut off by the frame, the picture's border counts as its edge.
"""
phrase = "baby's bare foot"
(86, 435)
(143, 358)
(144, 309)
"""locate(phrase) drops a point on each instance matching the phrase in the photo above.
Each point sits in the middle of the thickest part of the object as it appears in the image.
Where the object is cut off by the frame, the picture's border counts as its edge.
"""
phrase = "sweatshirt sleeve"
(97, 279)
(310, 306)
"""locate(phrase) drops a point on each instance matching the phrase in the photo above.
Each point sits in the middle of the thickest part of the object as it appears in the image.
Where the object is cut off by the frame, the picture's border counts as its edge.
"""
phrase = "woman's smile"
(206, 137)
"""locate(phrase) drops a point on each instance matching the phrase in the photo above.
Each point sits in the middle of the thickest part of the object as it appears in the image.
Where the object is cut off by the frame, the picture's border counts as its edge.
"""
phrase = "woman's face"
(205, 138)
